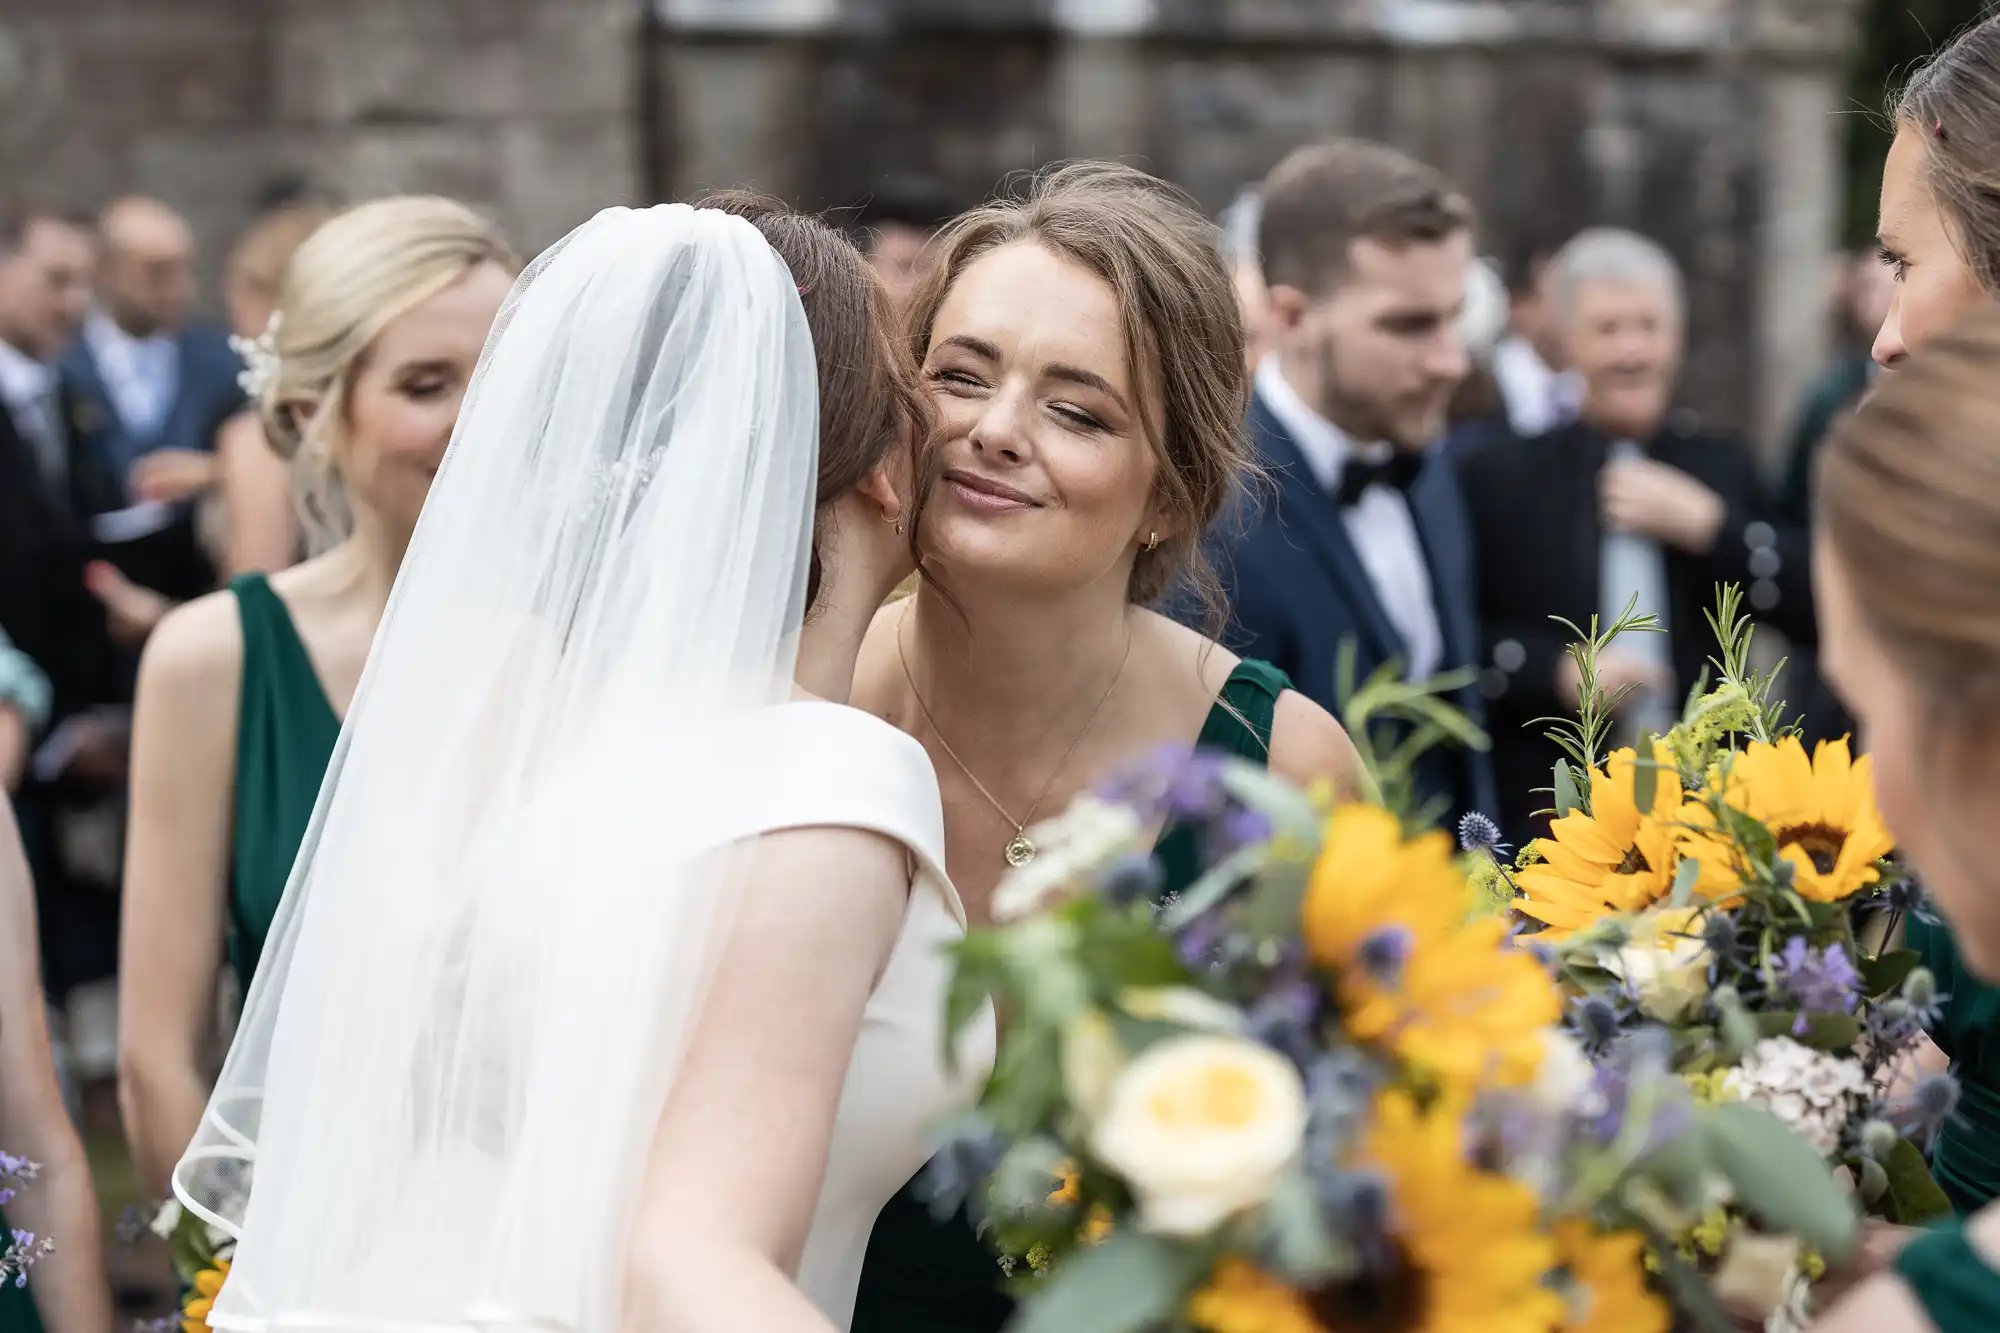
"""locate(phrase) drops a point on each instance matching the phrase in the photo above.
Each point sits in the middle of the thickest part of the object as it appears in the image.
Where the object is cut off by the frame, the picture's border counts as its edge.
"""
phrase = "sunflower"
(1618, 858)
(1821, 811)
(1241, 1298)
(207, 1285)
(1476, 1259)
(1389, 918)
(1607, 1281)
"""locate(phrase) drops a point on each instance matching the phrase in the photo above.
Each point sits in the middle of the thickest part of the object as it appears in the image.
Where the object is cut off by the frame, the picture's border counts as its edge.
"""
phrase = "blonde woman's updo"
(350, 279)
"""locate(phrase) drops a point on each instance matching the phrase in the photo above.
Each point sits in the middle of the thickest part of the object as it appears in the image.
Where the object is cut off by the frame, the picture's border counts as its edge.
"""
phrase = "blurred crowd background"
(191, 144)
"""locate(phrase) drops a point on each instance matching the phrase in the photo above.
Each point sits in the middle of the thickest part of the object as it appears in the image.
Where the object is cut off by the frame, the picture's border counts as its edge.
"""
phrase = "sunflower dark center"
(1383, 1302)
(1635, 862)
(1820, 842)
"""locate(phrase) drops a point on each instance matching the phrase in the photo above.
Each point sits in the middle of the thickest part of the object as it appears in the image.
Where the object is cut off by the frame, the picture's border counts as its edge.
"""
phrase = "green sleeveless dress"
(1951, 1280)
(285, 732)
(1966, 1157)
(923, 1276)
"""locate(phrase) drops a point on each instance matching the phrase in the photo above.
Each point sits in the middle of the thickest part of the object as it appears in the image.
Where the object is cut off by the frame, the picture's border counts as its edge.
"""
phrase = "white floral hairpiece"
(260, 357)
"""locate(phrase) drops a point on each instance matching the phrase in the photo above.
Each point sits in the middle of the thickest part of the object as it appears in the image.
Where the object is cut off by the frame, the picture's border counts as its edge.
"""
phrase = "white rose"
(1200, 1128)
(1084, 837)
(1664, 964)
(1566, 1078)
(166, 1219)
(1756, 1273)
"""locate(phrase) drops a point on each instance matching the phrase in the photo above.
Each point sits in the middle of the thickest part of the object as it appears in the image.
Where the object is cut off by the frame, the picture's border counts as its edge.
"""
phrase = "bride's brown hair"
(869, 400)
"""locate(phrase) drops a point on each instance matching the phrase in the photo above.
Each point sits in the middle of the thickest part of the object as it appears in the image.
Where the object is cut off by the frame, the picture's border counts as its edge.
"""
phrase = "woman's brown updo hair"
(869, 401)
(1953, 103)
(1183, 336)
(1910, 502)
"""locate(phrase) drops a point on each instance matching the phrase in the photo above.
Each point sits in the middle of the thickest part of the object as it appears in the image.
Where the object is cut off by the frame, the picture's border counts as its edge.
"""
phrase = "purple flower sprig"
(24, 1252)
(1823, 981)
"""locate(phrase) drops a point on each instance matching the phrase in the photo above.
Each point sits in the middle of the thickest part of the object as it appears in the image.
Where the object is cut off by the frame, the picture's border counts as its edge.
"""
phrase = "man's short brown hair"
(1323, 198)
(18, 217)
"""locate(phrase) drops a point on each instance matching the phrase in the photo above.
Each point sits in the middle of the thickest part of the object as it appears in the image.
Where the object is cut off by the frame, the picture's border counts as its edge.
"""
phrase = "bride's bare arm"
(741, 1146)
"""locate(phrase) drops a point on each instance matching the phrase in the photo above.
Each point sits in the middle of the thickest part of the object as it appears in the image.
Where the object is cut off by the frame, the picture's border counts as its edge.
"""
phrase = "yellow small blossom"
(1711, 1234)
(1710, 1089)
(207, 1286)
(1244, 1299)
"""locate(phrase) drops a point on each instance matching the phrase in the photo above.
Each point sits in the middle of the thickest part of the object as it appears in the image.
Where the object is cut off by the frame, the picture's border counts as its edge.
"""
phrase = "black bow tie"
(1398, 470)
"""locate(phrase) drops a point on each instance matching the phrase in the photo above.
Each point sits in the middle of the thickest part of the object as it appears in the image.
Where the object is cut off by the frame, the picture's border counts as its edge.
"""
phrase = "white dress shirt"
(141, 374)
(1538, 399)
(28, 393)
(1380, 524)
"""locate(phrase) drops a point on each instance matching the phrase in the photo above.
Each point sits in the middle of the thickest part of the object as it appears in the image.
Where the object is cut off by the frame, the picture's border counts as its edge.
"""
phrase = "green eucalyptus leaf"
(1884, 975)
(1129, 1284)
(1913, 1193)
(1779, 1176)
(1685, 879)
(1295, 1235)
(1568, 800)
(1645, 774)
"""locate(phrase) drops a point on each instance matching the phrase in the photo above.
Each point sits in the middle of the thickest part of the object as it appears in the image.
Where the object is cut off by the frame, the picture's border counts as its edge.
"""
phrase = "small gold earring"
(1152, 542)
(897, 519)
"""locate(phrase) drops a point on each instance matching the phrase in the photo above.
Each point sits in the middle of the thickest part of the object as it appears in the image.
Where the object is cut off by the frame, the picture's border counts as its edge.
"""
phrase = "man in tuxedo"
(160, 388)
(49, 487)
(1630, 503)
(1362, 541)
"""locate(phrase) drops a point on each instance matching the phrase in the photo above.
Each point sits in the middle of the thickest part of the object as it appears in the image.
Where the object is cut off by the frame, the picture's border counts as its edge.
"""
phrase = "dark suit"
(206, 394)
(1538, 549)
(1297, 591)
(53, 618)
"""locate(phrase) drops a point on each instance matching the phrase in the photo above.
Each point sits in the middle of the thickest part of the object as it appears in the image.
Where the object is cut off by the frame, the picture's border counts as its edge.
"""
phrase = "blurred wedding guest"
(49, 490)
(893, 231)
(24, 710)
(260, 529)
(384, 312)
(1363, 539)
(1246, 270)
(1630, 503)
(160, 385)
(1540, 389)
(66, 1291)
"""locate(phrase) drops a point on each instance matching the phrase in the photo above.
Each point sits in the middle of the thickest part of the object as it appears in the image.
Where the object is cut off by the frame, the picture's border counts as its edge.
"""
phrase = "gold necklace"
(1020, 848)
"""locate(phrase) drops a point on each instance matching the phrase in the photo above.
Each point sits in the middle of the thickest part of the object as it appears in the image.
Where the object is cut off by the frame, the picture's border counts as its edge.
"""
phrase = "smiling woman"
(1085, 355)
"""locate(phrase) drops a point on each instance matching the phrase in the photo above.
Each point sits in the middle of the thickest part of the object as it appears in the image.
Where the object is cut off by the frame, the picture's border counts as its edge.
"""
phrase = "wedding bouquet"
(1721, 883)
(201, 1253)
(19, 1250)
(1323, 1089)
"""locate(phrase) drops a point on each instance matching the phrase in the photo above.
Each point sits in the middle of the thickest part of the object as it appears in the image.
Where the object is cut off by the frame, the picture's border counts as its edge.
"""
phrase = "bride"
(606, 991)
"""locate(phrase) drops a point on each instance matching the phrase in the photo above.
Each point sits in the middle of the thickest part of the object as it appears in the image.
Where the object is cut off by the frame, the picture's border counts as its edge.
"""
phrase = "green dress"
(17, 1304)
(1953, 1283)
(1966, 1158)
(924, 1276)
(285, 732)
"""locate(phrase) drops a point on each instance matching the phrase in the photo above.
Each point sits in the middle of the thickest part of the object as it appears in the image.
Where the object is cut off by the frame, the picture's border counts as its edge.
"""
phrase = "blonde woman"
(384, 311)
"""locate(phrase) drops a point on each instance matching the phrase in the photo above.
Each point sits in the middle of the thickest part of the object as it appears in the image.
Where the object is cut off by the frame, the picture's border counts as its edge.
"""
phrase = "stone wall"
(1710, 124)
(524, 108)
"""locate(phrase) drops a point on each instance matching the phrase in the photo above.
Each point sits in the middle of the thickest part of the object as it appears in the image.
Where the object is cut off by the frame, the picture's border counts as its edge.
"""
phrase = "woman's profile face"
(1934, 286)
(405, 397)
(1046, 468)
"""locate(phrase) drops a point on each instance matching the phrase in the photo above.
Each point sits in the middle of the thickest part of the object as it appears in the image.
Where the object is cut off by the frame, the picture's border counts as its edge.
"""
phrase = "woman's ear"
(882, 492)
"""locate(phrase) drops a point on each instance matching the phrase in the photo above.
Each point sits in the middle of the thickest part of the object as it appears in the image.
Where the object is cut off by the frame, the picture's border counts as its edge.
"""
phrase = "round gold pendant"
(1020, 851)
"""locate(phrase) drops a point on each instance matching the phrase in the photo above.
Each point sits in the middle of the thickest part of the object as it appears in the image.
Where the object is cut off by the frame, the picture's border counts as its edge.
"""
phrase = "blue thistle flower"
(1384, 953)
(957, 1173)
(1477, 833)
(1930, 1103)
(1132, 878)
(1596, 1021)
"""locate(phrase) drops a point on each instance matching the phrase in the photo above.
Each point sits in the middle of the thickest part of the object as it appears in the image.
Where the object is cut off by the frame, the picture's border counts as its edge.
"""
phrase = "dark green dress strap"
(285, 733)
(1959, 1291)
(17, 1304)
(1966, 1157)
(926, 1276)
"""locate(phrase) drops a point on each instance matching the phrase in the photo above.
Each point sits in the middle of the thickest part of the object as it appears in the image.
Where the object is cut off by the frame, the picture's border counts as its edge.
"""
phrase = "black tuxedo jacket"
(1538, 542)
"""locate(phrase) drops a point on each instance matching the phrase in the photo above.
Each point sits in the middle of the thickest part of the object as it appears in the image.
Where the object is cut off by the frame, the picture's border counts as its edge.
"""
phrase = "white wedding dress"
(522, 869)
